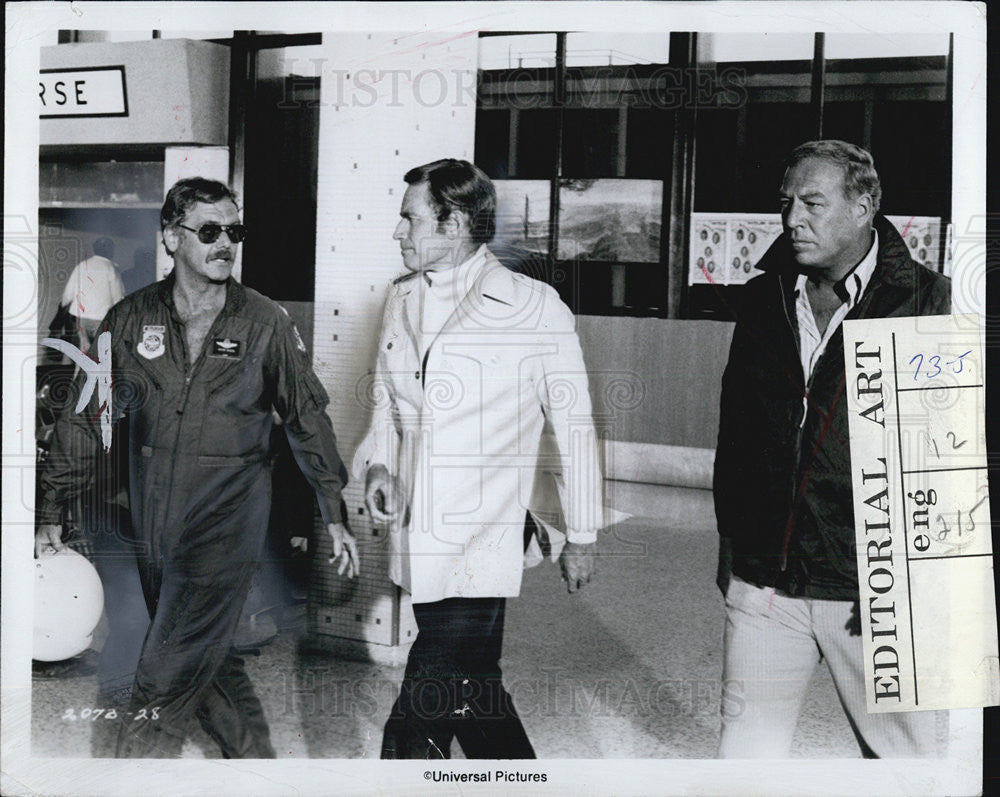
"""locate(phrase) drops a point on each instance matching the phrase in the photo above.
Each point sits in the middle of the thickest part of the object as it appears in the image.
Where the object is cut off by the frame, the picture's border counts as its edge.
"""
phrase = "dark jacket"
(199, 435)
(783, 494)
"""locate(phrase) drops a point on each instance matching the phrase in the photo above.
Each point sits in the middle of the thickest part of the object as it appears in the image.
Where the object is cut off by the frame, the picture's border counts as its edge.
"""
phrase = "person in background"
(782, 483)
(94, 286)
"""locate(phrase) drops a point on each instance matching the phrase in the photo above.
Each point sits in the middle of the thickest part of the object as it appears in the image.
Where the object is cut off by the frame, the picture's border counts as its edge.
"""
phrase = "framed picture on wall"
(610, 220)
(523, 214)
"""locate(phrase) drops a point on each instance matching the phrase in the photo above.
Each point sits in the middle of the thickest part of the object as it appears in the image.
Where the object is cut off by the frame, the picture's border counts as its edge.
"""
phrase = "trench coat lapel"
(410, 315)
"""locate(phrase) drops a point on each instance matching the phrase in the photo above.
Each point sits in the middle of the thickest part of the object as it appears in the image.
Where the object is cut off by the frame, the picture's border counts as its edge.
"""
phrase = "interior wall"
(655, 380)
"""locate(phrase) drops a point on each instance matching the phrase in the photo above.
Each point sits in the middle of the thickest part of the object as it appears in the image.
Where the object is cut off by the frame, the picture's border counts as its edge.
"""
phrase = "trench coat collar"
(492, 284)
(491, 289)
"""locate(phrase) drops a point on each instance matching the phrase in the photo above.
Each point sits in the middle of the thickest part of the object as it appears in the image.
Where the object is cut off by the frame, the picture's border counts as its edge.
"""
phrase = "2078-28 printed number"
(93, 714)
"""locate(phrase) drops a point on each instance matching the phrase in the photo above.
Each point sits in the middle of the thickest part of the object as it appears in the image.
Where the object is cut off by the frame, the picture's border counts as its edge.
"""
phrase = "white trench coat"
(461, 425)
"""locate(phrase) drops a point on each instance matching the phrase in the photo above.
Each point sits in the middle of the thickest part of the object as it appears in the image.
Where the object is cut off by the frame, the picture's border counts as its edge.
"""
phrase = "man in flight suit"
(200, 364)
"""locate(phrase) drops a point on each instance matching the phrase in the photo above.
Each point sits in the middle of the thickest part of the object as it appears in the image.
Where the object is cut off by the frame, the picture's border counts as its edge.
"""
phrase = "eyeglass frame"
(228, 229)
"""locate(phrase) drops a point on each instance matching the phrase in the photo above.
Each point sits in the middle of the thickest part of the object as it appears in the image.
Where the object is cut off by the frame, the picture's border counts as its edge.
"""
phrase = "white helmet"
(69, 599)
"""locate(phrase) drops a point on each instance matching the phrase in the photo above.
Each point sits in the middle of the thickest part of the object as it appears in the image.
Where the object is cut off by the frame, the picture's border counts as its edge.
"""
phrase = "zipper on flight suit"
(189, 371)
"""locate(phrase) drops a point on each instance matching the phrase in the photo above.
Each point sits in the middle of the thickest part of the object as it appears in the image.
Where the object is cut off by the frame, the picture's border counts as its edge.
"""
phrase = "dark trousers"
(453, 688)
(188, 669)
(195, 576)
(128, 618)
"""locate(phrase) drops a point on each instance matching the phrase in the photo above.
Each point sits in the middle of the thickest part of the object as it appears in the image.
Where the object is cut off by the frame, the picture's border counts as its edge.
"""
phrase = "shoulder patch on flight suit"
(299, 343)
(153, 342)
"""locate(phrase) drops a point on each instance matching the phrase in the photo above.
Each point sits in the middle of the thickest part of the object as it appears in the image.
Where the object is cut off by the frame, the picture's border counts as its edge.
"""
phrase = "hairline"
(841, 167)
(227, 195)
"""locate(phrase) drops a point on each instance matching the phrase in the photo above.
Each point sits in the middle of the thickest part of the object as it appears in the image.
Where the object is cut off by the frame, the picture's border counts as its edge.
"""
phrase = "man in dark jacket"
(782, 484)
(200, 364)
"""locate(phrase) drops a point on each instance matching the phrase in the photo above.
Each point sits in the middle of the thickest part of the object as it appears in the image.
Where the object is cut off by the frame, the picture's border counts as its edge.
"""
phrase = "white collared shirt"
(441, 292)
(811, 343)
(93, 288)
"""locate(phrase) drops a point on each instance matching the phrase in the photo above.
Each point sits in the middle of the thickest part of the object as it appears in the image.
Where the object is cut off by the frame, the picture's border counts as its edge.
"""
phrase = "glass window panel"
(536, 143)
(300, 60)
(884, 45)
(114, 35)
(196, 34)
(908, 139)
(126, 183)
(614, 49)
(774, 129)
(717, 162)
(649, 142)
(716, 47)
(645, 287)
(610, 221)
(529, 51)
(845, 121)
(590, 142)
(492, 140)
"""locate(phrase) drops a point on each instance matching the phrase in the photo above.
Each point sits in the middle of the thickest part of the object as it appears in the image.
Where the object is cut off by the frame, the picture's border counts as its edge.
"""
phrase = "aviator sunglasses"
(209, 232)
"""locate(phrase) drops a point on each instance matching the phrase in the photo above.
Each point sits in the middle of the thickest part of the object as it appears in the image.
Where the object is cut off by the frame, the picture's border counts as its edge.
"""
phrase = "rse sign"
(89, 91)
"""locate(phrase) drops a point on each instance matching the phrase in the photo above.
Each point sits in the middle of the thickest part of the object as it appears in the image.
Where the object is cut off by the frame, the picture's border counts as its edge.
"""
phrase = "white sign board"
(921, 512)
(90, 91)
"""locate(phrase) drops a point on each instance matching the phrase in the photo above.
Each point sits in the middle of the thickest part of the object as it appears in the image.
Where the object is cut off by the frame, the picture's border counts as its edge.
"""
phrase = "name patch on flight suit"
(227, 348)
(153, 342)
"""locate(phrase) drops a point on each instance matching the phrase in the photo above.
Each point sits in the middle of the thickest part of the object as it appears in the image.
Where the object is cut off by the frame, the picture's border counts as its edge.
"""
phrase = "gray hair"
(857, 164)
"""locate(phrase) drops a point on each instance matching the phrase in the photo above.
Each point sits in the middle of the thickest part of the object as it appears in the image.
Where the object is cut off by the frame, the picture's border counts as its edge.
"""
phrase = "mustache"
(221, 254)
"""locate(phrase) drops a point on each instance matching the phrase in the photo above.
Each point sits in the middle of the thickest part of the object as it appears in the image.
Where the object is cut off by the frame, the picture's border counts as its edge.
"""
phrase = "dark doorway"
(282, 157)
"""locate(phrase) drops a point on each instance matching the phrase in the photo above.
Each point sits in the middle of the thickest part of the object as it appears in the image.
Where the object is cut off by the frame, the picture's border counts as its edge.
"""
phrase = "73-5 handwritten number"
(935, 361)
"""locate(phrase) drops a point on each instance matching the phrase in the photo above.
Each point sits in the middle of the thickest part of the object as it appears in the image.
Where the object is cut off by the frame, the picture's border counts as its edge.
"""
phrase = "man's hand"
(48, 536)
(725, 568)
(345, 548)
(577, 562)
(383, 497)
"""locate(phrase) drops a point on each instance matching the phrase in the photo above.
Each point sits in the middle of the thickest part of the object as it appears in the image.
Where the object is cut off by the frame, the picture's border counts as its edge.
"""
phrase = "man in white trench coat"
(474, 362)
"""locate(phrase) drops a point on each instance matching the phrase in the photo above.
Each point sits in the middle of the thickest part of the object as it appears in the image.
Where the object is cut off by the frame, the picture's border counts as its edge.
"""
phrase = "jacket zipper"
(798, 432)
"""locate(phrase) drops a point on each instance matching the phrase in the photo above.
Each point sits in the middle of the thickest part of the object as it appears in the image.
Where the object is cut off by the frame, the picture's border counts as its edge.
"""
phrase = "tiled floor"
(629, 667)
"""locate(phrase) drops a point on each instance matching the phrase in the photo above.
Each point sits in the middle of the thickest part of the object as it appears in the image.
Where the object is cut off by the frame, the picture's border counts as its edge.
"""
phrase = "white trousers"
(773, 643)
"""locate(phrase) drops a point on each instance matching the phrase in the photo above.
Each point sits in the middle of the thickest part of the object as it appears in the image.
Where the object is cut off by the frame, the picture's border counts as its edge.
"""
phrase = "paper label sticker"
(921, 512)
